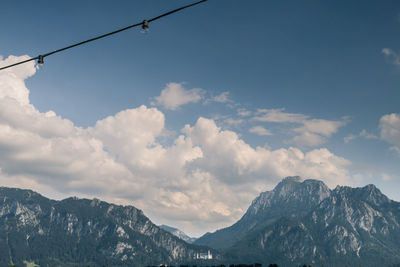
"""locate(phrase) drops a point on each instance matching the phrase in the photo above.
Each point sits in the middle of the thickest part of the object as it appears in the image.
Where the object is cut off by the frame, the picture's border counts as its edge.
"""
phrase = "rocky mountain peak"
(292, 197)
(311, 223)
(287, 185)
(292, 189)
(369, 193)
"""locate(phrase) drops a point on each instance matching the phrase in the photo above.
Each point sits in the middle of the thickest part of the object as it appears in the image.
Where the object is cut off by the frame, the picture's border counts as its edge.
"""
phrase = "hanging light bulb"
(40, 59)
(40, 62)
(145, 26)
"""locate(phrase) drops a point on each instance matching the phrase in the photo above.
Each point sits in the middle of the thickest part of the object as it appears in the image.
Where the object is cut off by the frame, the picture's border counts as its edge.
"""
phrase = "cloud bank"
(203, 180)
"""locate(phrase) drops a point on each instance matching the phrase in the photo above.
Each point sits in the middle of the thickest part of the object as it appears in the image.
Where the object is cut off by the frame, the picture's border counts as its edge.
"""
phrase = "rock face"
(291, 197)
(82, 232)
(305, 222)
(178, 233)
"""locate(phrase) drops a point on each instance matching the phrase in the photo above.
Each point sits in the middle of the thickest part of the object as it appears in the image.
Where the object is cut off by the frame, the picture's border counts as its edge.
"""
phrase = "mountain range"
(298, 222)
(82, 232)
(306, 222)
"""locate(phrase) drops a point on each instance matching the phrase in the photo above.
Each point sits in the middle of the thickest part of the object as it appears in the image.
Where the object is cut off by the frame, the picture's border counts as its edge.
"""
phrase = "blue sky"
(266, 79)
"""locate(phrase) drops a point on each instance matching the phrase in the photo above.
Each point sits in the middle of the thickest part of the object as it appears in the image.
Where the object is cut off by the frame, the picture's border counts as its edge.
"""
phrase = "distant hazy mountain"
(82, 232)
(305, 222)
(178, 233)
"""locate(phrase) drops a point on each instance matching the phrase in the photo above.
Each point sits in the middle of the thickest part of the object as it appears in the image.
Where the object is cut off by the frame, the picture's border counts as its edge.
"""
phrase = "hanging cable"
(144, 24)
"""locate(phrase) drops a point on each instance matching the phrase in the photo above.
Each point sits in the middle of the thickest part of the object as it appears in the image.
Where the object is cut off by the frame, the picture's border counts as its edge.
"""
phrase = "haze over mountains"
(299, 222)
(178, 233)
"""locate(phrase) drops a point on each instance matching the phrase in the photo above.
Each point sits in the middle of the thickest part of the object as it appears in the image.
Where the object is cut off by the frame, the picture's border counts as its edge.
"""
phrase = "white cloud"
(277, 115)
(222, 98)
(228, 122)
(349, 138)
(367, 135)
(14, 77)
(233, 161)
(175, 95)
(233, 122)
(202, 181)
(312, 132)
(259, 130)
(391, 56)
(307, 139)
(363, 134)
(319, 126)
(242, 112)
(390, 130)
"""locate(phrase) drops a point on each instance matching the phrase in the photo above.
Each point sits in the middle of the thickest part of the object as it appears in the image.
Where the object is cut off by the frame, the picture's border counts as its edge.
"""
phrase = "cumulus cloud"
(389, 126)
(14, 77)
(175, 95)
(391, 56)
(259, 130)
(312, 132)
(233, 161)
(203, 180)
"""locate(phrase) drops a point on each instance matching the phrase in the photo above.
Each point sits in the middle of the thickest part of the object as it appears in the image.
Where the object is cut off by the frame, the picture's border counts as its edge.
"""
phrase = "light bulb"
(40, 59)
(145, 27)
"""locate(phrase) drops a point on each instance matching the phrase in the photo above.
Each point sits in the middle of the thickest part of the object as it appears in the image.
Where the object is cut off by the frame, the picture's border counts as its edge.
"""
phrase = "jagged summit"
(369, 193)
(297, 187)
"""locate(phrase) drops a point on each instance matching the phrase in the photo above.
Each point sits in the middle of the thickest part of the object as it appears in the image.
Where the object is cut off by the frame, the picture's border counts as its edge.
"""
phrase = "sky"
(212, 106)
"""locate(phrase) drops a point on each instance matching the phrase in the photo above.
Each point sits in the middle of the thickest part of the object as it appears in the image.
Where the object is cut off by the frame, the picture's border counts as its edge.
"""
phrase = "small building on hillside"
(204, 256)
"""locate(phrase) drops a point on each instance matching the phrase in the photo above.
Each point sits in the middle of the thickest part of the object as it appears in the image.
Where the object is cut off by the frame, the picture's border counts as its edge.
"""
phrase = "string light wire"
(144, 24)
